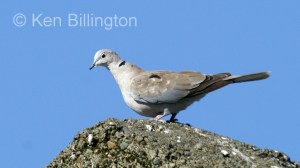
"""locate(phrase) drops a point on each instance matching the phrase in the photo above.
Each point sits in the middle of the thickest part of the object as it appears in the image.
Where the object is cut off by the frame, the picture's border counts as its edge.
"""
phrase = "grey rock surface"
(146, 143)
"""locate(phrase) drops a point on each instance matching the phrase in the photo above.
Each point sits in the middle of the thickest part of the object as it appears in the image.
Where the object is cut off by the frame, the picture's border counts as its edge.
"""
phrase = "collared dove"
(160, 93)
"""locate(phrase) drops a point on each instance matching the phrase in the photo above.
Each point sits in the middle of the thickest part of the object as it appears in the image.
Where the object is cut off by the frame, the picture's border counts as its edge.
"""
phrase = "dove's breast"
(144, 109)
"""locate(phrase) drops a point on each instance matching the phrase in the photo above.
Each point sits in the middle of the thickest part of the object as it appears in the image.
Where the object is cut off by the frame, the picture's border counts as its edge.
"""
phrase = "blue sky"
(48, 94)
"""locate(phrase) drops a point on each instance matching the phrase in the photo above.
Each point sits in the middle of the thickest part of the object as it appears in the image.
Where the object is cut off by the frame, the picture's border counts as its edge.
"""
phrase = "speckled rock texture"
(146, 143)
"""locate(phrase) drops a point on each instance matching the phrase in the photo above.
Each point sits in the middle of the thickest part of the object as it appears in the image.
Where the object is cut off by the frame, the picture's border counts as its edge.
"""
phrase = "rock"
(123, 145)
(111, 145)
(156, 161)
(147, 143)
(139, 138)
(225, 153)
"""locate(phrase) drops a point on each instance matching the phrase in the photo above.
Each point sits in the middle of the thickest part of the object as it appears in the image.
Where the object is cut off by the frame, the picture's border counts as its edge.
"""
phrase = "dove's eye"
(103, 56)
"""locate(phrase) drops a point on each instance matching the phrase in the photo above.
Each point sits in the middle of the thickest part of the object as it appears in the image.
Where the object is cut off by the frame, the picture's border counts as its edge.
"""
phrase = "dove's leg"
(158, 117)
(172, 119)
(165, 113)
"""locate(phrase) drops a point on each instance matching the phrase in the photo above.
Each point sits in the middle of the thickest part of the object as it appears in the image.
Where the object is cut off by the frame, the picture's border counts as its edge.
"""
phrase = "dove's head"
(105, 57)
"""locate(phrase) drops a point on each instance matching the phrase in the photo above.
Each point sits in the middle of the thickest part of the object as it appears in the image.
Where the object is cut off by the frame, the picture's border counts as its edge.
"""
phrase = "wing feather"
(164, 86)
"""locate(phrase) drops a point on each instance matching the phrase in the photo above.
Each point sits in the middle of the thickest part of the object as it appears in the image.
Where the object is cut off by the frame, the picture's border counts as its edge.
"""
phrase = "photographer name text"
(82, 20)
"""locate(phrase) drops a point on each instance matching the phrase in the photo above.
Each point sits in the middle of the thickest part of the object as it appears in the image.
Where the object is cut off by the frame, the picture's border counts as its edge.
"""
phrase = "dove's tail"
(214, 82)
(248, 77)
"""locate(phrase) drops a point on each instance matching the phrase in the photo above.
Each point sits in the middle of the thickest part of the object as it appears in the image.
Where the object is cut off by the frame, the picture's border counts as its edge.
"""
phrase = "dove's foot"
(173, 119)
(177, 122)
(158, 117)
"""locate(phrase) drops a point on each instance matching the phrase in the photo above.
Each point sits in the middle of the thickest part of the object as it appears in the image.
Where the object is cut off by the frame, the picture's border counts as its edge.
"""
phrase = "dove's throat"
(123, 74)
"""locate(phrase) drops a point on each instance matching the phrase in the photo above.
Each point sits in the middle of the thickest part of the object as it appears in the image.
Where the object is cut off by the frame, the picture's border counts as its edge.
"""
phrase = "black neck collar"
(122, 63)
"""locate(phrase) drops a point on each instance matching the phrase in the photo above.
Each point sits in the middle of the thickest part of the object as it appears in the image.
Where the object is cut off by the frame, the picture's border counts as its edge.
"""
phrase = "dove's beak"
(92, 66)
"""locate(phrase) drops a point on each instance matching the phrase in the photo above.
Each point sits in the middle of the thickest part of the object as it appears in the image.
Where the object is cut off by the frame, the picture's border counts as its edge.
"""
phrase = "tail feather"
(214, 82)
(248, 77)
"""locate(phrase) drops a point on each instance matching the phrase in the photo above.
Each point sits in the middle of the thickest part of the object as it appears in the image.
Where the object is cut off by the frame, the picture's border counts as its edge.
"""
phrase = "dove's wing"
(164, 86)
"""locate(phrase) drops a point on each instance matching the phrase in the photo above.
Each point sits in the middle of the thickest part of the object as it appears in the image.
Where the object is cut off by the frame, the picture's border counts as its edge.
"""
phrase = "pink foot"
(158, 118)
